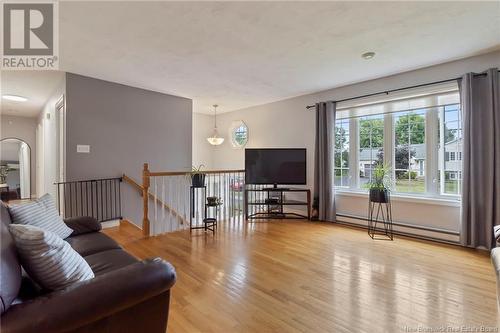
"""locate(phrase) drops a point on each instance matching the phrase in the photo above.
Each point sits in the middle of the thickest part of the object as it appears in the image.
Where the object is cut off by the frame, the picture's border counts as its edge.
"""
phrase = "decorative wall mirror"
(15, 169)
(238, 132)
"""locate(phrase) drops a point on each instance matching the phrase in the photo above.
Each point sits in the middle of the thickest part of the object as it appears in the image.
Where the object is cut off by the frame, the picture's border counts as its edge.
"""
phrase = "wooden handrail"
(180, 173)
(151, 196)
(146, 195)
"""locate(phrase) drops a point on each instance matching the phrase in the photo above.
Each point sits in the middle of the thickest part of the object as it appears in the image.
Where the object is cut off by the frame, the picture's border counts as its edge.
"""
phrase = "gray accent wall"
(125, 127)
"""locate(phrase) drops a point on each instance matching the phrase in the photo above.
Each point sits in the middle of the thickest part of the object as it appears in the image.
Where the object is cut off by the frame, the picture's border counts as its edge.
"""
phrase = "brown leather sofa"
(126, 295)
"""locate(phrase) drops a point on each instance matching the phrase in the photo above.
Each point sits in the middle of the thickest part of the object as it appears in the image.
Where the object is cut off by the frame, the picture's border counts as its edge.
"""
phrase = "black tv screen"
(284, 166)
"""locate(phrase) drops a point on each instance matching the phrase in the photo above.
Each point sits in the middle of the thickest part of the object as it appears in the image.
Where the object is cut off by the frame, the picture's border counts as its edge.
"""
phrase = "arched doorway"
(15, 169)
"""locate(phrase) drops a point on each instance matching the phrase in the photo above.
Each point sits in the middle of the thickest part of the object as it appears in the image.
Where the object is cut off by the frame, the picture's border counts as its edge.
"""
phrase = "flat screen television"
(275, 166)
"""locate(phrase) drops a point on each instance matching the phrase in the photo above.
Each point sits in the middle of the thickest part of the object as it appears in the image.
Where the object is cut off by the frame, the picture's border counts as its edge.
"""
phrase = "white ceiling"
(37, 86)
(239, 54)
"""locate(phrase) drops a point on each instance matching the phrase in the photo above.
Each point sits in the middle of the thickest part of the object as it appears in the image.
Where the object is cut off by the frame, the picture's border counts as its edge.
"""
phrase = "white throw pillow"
(40, 213)
(48, 259)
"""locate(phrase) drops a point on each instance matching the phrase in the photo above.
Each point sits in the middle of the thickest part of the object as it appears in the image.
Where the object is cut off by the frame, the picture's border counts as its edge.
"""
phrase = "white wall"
(47, 163)
(22, 128)
(287, 123)
(202, 150)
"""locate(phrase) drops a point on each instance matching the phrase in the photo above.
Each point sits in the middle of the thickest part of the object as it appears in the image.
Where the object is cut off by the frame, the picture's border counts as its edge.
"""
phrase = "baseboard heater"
(403, 225)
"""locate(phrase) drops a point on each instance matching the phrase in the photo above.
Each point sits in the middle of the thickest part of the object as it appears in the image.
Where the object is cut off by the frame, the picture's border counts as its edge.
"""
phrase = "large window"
(371, 146)
(450, 146)
(409, 151)
(418, 135)
(342, 153)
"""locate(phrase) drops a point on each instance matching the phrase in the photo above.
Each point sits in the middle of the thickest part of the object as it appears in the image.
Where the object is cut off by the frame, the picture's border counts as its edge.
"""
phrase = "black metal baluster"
(96, 198)
(106, 203)
(120, 199)
(102, 208)
(114, 197)
(58, 199)
(65, 192)
(71, 199)
(93, 200)
(81, 198)
(87, 196)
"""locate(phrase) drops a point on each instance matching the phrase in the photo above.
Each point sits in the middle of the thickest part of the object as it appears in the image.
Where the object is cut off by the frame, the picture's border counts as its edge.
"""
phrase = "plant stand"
(381, 210)
(193, 205)
(210, 223)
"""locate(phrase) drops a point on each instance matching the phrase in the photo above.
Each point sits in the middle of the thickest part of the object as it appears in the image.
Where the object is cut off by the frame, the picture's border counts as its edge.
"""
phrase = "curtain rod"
(394, 90)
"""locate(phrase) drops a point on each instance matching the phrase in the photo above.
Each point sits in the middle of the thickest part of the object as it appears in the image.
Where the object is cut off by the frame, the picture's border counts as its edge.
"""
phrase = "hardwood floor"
(291, 276)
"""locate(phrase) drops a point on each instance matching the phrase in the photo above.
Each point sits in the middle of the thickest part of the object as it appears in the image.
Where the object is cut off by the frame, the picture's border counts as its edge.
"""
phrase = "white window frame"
(349, 174)
(433, 170)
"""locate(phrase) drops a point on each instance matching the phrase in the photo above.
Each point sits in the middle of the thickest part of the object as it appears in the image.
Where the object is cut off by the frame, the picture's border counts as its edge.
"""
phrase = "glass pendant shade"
(215, 139)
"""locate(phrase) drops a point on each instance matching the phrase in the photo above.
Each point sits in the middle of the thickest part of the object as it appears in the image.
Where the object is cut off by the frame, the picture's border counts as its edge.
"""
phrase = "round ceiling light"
(368, 55)
(15, 98)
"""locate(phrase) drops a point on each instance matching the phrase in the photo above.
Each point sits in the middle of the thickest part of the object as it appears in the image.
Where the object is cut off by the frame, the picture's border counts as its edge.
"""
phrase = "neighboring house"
(368, 156)
(452, 159)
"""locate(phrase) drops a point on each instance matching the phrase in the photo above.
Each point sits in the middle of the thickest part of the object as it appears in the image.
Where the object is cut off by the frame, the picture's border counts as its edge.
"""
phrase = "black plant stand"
(210, 223)
(192, 207)
(381, 210)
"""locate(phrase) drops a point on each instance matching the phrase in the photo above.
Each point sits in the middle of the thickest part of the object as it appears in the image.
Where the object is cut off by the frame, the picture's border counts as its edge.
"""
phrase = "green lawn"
(451, 186)
(412, 186)
(417, 186)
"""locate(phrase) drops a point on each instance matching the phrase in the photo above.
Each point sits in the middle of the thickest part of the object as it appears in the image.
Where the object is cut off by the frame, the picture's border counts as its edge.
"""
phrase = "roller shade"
(404, 100)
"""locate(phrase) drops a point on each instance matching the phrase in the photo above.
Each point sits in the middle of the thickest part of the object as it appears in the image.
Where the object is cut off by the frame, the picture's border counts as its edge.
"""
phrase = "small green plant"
(381, 178)
(197, 176)
(197, 169)
(214, 201)
(4, 171)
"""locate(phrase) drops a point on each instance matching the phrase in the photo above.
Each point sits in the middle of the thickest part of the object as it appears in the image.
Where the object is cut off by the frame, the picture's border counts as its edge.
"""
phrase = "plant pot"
(379, 195)
(198, 180)
(212, 201)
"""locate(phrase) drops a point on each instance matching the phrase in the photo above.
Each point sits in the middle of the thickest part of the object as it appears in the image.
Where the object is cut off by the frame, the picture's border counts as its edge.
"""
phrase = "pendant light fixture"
(215, 139)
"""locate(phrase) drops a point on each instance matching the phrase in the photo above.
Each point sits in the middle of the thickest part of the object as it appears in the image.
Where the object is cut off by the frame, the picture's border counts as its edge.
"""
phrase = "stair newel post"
(145, 191)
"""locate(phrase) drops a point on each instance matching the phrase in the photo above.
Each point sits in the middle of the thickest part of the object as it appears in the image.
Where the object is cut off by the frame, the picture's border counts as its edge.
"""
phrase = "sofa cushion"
(107, 261)
(48, 259)
(41, 213)
(10, 268)
(83, 225)
(91, 243)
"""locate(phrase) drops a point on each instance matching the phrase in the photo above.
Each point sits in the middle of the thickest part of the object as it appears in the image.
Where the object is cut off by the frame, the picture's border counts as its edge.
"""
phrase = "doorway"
(15, 169)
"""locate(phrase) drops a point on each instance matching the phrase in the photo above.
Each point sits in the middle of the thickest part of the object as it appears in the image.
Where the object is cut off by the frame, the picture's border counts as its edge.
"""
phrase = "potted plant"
(197, 176)
(381, 183)
(214, 201)
(4, 172)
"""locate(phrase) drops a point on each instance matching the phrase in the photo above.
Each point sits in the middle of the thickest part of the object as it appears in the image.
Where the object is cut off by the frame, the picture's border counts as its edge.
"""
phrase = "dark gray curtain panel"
(480, 99)
(323, 161)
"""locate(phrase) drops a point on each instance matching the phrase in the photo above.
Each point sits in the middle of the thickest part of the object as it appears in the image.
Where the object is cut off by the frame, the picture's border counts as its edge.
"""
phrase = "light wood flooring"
(292, 276)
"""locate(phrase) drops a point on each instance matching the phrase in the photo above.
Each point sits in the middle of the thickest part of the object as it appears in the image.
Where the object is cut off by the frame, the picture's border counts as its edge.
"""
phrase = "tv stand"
(253, 197)
(276, 189)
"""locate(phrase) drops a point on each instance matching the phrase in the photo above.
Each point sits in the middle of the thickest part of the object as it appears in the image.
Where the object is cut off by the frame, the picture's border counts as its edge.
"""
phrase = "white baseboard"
(110, 224)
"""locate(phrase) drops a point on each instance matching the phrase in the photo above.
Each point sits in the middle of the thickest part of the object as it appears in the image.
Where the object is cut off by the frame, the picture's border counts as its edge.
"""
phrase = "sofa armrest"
(91, 300)
(83, 225)
(495, 260)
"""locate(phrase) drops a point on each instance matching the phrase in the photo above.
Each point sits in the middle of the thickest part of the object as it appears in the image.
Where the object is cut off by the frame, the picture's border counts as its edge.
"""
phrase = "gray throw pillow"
(48, 259)
(40, 213)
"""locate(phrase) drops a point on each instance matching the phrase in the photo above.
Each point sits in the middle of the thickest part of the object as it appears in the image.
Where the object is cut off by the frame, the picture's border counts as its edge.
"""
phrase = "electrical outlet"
(83, 149)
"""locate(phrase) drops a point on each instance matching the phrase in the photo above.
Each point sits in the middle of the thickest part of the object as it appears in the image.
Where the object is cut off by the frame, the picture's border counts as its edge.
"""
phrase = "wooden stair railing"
(146, 194)
(151, 196)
